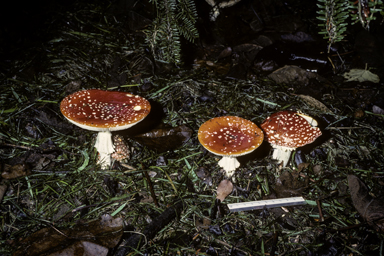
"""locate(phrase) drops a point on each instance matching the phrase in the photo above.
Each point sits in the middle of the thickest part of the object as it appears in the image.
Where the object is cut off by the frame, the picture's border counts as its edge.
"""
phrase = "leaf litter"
(62, 188)
(361, 75)
(93, 238)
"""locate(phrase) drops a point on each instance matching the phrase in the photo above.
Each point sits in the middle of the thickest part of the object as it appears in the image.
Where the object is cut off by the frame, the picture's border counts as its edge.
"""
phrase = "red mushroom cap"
(99, 110)
(230, 136)
(289, 129)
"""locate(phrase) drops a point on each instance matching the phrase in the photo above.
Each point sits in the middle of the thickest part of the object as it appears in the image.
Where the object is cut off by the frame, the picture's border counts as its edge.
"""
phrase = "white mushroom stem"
(229, 164)
(282, 154)
(104, 146)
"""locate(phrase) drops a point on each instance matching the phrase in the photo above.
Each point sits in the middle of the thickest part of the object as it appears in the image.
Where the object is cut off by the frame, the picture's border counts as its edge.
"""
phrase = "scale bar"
(270, 203)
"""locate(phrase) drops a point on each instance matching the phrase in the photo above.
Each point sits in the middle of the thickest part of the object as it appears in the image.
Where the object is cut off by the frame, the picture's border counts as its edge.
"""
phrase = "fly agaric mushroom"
(288, 130)
(104, 111)
(230, 137)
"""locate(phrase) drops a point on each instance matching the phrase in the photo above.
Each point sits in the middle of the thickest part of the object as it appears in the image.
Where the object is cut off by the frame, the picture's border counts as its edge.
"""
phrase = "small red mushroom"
(288, 130)
(230, 137)
(104, 111)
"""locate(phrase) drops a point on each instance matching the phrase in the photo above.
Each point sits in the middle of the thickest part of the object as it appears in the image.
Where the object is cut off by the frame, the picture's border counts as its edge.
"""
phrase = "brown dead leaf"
(95, 236)
(370, 208)
(164, 139)
(302, 166)
(3, 188)
(204, 175)
(145, 197)
(219, 68)
(290, 184)
(315, 103)
(84, 247)
(291, 74)
(377, 110)
(224, 189)
(317, 170)
(15, 171)
(203, 225)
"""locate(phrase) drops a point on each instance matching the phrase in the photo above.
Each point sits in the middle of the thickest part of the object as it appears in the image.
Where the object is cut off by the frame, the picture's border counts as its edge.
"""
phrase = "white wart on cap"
(288, 130)
(230, 136)
(104, 111)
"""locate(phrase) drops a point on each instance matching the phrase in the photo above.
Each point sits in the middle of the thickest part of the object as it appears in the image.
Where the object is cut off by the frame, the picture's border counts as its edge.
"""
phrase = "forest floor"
(51, 181)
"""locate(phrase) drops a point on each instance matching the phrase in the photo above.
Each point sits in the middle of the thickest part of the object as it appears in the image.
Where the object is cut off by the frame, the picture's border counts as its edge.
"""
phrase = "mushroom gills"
(309, 119)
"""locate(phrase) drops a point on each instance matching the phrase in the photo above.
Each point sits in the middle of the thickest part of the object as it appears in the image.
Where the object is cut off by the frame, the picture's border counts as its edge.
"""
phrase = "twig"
(2, 144)
(344, 128)
(320, 210)
(58, 231)
(351, 227)
(151, 188)
(227, 245)
(15, 146)
(274, 247)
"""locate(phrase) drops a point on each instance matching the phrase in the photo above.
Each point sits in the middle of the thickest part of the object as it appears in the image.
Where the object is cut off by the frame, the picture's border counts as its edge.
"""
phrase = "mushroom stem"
(229, 164)
(282, 154)
(104, 146)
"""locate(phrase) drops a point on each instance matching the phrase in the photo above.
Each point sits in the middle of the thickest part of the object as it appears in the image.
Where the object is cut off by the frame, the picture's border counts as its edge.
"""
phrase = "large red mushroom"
(230, 137)
(104, 111)
(288, 130)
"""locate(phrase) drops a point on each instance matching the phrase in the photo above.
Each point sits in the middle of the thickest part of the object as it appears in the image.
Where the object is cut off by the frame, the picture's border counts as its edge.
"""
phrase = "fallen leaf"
(203, 225)
(377, 110)
(3, 188)
(15, 171)
(165, 139)
(317, 170)
(225, 53)
(204, 175)
(370, 208)
(291, 74)
(361, 75)
(219, 68)
(359, 113)
(290, 184)
(224, 189)
(93, 238)
(86, 248)
(302, 166)
(315, 103)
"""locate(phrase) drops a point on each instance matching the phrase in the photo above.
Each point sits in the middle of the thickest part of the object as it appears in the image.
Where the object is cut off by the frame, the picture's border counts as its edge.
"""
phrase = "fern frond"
(333, 15)
(366, 11)
(186, 17)
(174, 18)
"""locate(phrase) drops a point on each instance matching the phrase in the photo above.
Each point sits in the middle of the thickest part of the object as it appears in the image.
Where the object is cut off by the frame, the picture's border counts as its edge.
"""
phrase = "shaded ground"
(49, 172)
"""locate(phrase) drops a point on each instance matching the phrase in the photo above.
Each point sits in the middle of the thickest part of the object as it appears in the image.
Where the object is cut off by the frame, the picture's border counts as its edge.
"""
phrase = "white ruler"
(258, 205)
